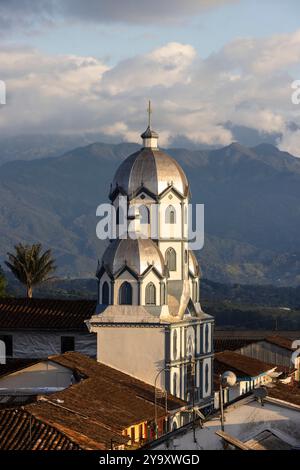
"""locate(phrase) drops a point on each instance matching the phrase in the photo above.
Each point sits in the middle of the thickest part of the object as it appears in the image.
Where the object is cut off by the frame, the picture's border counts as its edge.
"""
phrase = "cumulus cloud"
(193, 97)
(30, 14)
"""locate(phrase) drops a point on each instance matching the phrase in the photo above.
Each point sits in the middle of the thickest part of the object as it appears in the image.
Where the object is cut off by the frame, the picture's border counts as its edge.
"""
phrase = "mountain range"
(251, 198)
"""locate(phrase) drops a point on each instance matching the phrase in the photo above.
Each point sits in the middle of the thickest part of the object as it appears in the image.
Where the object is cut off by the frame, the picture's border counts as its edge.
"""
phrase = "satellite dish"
(228, 379)
(260, 393)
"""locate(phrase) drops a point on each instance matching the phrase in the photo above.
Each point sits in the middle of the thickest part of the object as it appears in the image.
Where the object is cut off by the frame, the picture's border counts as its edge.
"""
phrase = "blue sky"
(91, 66)
(207, 31)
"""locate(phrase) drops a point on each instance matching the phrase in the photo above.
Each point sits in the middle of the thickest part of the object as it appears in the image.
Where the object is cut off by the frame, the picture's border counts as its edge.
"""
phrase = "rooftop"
(96, 410)
(286, 392)
(239, 364)
(280, 341)
(19, 430)
(45, 314)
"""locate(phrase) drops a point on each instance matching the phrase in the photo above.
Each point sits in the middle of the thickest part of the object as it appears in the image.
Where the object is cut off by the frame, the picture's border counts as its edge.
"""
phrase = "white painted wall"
(137, 351)
(31, 344)
(44, 374)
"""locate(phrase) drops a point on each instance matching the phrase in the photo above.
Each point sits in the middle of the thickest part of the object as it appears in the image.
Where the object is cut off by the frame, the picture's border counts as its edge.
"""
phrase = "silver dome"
(152, 169)
(138, 255)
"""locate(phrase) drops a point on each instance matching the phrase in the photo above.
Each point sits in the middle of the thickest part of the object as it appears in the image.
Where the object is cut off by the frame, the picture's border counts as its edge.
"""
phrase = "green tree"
(3, 283)
(30, 266)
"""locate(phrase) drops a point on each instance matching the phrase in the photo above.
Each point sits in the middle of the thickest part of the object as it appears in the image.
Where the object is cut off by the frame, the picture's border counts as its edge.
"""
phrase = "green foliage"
(3, 283)
(30, 266)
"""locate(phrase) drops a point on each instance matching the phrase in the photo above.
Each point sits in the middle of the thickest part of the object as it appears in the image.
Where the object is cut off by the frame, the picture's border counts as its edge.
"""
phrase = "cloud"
(29, 15)
(244, 83)
(290, 142)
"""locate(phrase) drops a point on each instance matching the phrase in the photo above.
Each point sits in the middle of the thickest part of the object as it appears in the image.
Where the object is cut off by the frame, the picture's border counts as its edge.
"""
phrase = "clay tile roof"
(287, 392)
(280, 341)
(45, 314)
(239, 364)
(96, 410)
(21, 431)
(230, 344)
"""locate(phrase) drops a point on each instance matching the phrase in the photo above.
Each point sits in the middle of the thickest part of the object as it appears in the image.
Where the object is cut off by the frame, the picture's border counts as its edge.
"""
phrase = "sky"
(208, 66)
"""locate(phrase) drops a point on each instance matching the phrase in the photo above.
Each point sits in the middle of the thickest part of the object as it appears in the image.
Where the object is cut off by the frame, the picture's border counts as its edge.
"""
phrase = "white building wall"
(42, 375)
(137, 351)
(43, 344)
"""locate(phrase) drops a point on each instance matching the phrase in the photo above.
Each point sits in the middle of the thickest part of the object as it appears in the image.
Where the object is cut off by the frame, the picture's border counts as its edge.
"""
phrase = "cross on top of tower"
(149, 136)
(149, 110)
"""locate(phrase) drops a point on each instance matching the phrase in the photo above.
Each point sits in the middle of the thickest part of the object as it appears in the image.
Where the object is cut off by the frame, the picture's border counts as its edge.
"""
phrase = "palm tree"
(2, 283)
(30, 266)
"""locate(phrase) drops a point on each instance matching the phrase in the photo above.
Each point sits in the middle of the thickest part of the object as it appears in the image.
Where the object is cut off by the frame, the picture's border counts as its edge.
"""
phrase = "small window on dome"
(125, 294)
(144, 215)
(105, 293)
(150, 294)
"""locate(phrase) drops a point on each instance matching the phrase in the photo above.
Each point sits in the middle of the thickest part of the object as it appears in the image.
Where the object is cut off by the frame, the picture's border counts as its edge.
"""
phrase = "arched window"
(175, 345)
(150, 294)
(105, 293)
(144, 215)
(171, 259)
(190, 347)
(125, 294)
(206, 337)
(163, 294)
(170, 215)
(175, 384)
(206, 378)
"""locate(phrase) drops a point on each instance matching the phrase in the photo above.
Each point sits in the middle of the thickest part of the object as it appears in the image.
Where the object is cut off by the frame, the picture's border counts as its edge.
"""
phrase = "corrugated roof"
(31, 314)
(240, 364)
(19, 430)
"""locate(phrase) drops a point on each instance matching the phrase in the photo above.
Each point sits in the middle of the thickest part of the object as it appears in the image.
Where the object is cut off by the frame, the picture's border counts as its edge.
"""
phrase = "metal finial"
(149, 110)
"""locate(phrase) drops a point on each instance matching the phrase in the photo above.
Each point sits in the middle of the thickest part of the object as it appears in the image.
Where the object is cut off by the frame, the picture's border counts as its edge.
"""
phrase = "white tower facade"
(149, 321)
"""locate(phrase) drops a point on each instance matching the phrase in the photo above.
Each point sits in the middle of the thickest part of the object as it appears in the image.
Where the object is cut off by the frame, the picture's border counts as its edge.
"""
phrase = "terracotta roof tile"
(97, 409)
(286, 392)
(280, 341)
(45, 314)
(21, 431)
(240, 364)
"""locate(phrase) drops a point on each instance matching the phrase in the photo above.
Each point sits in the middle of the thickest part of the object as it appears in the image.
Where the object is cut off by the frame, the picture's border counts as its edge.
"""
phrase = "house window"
(132, 433)
(105, 293)
(175, 345)
(170, 215)
(141, 432)
(171, 259)
(67, 343)
(8, 341)
(125, 294)
(150, 294)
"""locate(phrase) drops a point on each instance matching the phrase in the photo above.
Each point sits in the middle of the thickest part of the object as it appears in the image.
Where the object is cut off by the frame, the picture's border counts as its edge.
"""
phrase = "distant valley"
(251, 197)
